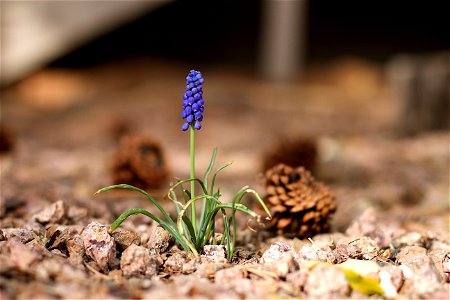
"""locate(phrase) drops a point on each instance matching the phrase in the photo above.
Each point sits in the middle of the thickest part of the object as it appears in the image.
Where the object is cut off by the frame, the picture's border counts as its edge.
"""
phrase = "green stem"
(192, 154)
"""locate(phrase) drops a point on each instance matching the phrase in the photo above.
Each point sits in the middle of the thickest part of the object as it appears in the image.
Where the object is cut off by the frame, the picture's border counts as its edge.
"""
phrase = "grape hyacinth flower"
(193, 233)
(193, 104)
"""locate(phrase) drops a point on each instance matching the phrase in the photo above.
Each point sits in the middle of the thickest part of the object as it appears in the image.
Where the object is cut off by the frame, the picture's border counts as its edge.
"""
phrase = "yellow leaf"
(363, 284)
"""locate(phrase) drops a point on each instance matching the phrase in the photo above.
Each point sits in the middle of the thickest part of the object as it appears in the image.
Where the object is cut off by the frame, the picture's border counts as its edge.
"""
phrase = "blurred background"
(364, 85)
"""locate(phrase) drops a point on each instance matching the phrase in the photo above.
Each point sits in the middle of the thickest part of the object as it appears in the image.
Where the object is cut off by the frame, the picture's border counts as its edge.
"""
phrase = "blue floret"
(193, 103)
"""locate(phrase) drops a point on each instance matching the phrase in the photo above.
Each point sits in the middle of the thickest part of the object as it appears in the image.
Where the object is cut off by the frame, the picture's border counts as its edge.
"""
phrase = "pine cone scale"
(300, 205)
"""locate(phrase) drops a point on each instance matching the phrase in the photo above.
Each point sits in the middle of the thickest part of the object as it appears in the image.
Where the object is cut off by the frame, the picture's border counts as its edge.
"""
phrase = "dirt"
(391, 225)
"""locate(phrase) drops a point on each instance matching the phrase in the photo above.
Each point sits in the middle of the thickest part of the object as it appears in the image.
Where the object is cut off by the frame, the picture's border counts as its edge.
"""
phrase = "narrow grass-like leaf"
(180, 182)
(186, 195)
(163, 224)
(210, 166)
(233, 224)
(174, 198)
(133, 188)
(246, 190)
(213, 180)
(203, 234)
(189, 226)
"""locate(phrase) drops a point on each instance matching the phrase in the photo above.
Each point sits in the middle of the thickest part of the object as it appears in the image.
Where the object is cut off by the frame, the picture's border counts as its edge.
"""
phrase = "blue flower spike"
(193, 103)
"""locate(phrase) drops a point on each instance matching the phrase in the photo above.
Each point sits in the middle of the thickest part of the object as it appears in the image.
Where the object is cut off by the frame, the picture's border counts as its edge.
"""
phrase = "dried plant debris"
(139, 161)
(301, 152)
(300, 205)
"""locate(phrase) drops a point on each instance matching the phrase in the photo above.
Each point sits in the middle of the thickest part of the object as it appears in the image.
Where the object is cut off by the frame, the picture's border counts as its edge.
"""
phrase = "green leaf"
(244, 190)
(210, 166)
(363, 284)
(180, 182)
(211, 190)
(133, 188)
(186, 195)
(163, 224)
(189, 226)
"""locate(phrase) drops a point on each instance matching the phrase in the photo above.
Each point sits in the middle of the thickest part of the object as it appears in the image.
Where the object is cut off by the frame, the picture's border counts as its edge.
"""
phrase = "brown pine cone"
(299, 152)
(6, 140)
(140, 162)
(300, 205)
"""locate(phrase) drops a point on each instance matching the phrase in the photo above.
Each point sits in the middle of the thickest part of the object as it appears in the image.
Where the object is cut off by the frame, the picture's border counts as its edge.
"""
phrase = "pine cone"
(299, 152)
(6, 140)
(300, 205)
(139, 162)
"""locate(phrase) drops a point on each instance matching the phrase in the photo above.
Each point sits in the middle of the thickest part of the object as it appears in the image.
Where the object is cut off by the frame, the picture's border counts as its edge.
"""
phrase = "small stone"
(76, 214)
(22, 235)
(287, 264)
(314, 253)
(391, 280)
(363, 248)
(125, 238)
(75, 247)
(136, 261)
(441, 262)
(47, 269)
(412, 256)
(368, 225)
(57, 235)
(54, 213)
(424, 278)
(439, 245)
(276, 252)
(228, 275)
(297, 279)
(192, 265)
(327, 282)
(244, 256)
(174, 264)
(208, 269)
(342, 253)
(406, 271)
(21, 256)
(412, 239)
(36, 227)
(99, 245)
(215, 253)
(446, 267)
(160, 240)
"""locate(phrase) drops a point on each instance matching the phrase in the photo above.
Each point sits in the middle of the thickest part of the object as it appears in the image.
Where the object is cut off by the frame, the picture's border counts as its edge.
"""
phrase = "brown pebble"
(22, 256)
(23, 235)
(54, 213)
(327, 282)
(215, 253)
(99, 245)
(136, 261)
(276, 252)
(160, 240)
(125, 238)
(75, 247)
(174, 263)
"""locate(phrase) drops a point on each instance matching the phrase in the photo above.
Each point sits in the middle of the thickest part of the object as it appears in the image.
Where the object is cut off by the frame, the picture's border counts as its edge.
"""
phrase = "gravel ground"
(389, 236)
